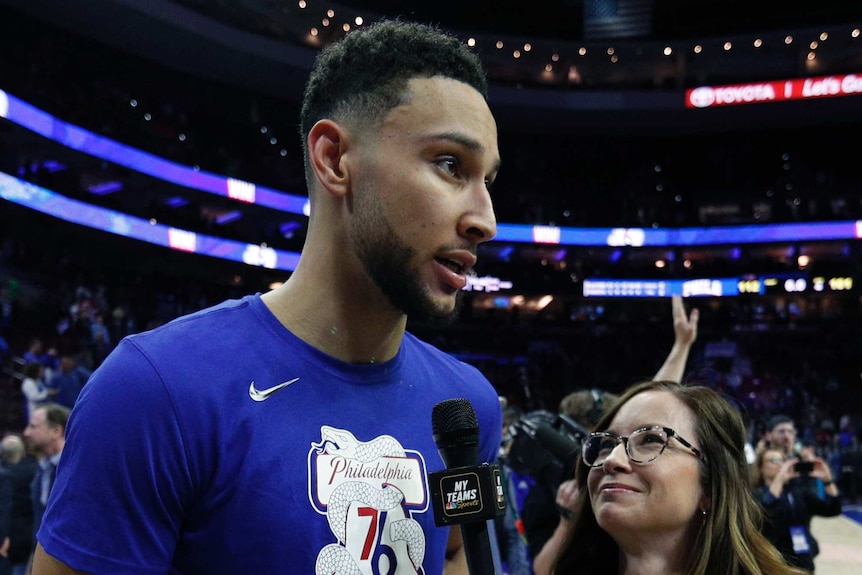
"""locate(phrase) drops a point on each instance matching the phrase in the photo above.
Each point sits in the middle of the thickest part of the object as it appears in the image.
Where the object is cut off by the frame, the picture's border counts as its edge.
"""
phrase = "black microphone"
(467, 493)
(565, 449)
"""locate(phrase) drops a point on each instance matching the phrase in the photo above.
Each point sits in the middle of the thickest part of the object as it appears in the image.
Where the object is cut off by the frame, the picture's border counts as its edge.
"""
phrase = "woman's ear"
(327, 144)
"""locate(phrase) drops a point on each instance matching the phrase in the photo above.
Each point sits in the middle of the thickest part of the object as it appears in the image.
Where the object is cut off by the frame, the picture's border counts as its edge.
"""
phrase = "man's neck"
(54, 449)
(332, 323)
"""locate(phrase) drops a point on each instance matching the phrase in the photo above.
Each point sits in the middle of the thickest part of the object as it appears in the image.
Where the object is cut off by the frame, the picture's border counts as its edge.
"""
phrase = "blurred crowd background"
(79, 291)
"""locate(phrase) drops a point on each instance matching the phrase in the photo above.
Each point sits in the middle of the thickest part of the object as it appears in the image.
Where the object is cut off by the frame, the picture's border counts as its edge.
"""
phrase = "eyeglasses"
(642, 446)
(775, 460)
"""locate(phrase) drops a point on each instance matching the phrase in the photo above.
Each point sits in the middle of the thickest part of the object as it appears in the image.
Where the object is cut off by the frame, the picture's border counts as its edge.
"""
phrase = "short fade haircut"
(777, 420)
(363, 76)
(56, 415)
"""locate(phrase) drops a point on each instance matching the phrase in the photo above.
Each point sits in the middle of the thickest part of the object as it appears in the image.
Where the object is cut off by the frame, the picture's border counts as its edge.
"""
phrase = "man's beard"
(388, 261)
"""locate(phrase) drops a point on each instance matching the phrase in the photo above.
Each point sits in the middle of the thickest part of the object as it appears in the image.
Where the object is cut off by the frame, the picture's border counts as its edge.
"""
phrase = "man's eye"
(449, 165)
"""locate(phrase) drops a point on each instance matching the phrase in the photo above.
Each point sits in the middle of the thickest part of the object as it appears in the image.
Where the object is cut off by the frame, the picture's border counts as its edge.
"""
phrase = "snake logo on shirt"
(367, 490)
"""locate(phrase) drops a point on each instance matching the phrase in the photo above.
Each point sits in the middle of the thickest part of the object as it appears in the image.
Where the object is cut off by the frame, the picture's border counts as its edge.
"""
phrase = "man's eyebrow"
(463, 140)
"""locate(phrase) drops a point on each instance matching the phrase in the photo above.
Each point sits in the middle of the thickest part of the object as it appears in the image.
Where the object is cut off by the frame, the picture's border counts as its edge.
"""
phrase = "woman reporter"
(665, 490)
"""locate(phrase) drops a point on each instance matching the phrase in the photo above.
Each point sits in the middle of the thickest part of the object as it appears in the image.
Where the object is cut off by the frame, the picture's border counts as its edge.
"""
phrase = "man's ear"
(327, 144)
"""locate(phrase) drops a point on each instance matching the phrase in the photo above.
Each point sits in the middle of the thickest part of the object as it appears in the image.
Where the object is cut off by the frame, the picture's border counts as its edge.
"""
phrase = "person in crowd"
(548, 513)
(100, 337)
(780, 434)
(290, 432)
(66, 384)
(46, 435)
(664, 489)
(509, 528)
(21, 468)
(33, 386)
(779, 485)
(813, 482)
(36, 353)
(547, 516)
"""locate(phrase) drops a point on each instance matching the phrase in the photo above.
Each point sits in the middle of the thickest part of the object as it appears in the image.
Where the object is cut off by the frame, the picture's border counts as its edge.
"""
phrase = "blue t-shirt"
(223, 444)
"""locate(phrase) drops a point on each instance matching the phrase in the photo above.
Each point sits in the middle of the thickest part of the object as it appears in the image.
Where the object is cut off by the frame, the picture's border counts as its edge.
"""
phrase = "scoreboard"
(749, 284)
(786, 284)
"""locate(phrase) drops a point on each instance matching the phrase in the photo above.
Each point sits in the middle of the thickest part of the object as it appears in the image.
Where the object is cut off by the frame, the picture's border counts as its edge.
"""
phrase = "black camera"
(545, 446)
(803, 467)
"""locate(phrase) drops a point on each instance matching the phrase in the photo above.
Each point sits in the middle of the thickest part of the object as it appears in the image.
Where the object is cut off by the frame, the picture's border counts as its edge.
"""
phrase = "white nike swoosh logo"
(262, 394)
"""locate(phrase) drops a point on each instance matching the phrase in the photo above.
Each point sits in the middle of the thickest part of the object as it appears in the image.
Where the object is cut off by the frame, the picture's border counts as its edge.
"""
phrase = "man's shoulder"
(417, 348)
(211, 323)
(452, 375)
(214, 345)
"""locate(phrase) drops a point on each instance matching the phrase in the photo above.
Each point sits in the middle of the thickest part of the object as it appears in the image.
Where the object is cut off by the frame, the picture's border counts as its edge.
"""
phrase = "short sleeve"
(123, 478)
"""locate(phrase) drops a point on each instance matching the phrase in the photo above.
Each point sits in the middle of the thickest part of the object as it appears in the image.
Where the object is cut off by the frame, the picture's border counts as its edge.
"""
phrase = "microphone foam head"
(456, 432)
(454, 415)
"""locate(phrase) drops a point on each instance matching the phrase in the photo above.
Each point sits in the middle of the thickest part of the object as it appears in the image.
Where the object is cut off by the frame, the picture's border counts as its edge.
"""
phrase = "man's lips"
(454, 267)
(459, 261)
(453, 276)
